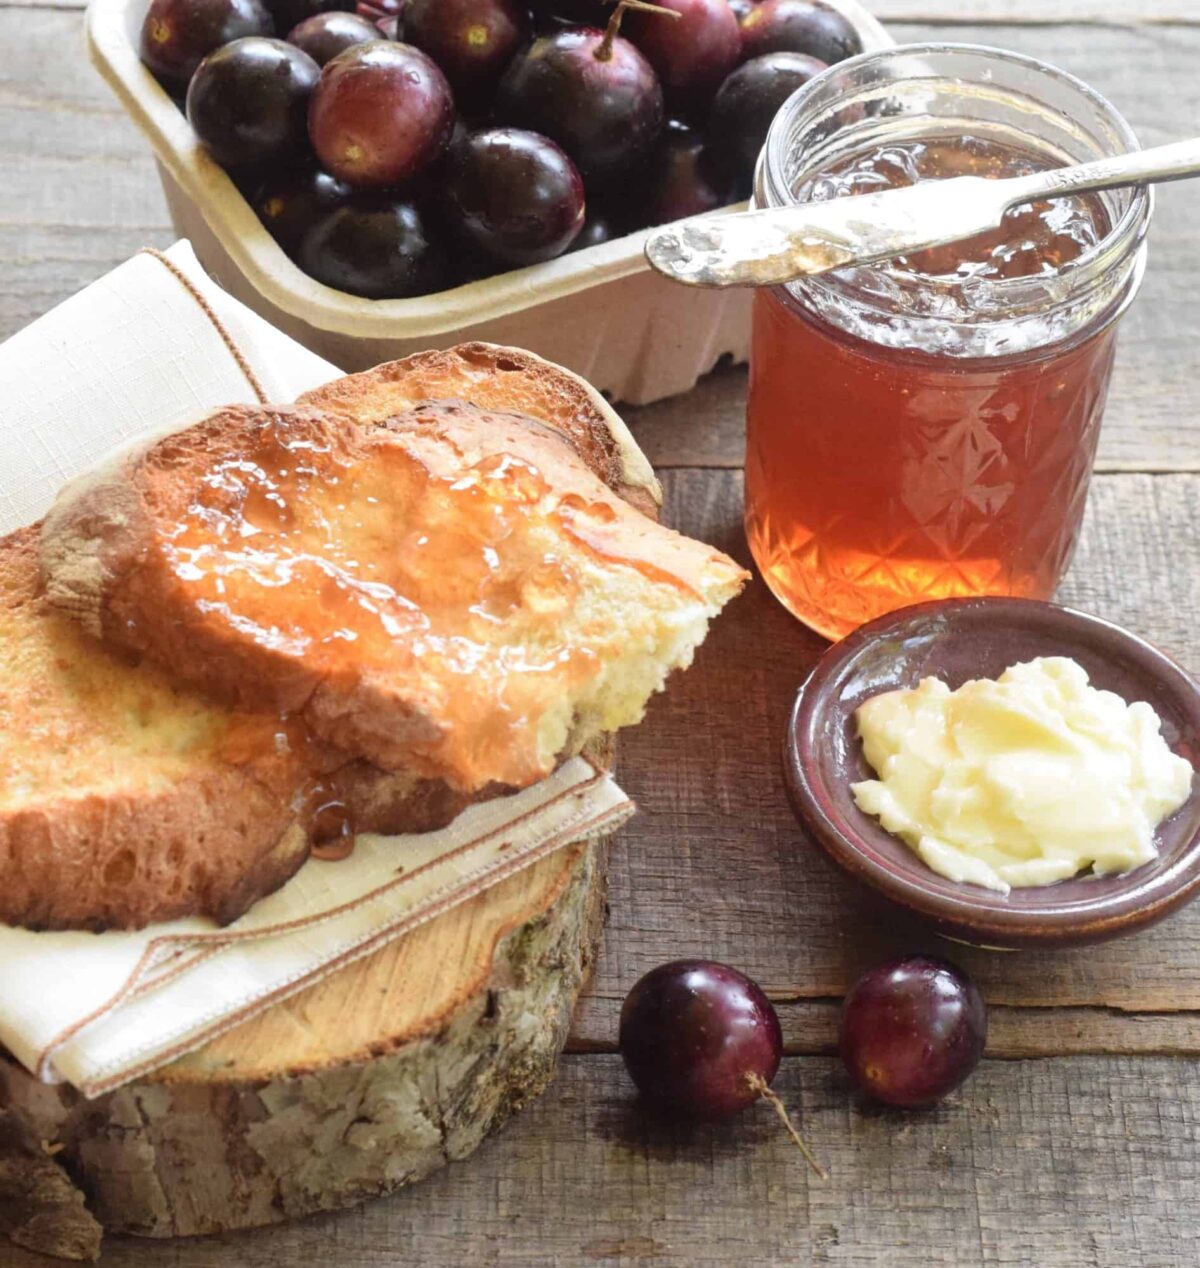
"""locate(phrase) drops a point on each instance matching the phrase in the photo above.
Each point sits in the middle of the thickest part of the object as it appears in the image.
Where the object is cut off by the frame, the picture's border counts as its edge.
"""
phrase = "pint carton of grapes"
(600, 311)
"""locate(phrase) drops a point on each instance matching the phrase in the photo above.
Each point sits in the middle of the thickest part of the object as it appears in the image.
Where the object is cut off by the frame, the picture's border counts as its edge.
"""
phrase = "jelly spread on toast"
(391, 610)
(440, 551)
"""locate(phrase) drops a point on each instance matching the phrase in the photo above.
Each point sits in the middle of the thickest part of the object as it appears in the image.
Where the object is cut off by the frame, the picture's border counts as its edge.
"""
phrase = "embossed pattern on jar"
(926, 429)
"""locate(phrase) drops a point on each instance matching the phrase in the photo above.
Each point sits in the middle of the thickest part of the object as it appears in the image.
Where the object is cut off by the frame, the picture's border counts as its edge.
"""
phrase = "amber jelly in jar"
(925, 428)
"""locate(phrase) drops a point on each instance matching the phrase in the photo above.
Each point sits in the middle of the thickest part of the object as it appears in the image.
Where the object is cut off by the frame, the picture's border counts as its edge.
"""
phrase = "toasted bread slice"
(126, 799)
(453, 591)
(490, 376)
(123, 798)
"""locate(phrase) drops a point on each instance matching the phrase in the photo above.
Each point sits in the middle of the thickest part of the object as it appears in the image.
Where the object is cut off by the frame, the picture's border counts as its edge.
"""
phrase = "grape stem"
(763, 1088)
(604, 48)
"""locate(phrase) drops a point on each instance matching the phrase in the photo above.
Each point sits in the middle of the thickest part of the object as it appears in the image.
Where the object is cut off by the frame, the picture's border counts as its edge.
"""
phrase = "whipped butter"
(1023, 780)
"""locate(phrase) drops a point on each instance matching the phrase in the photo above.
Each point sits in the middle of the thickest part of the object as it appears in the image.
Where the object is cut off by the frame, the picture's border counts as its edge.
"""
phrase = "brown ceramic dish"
(979, 638)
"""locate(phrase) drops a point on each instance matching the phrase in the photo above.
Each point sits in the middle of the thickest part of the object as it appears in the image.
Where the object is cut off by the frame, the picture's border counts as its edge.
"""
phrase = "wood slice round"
(359, 1084)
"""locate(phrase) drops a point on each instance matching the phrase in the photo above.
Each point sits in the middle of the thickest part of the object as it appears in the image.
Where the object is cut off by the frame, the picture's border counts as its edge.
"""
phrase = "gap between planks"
(1014, 1033)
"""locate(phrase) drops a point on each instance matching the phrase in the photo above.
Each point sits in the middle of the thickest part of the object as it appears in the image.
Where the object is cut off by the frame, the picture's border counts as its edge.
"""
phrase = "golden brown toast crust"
(64, 863)
(207, 835)
(494, 377)
(121, 853)
(373, 578)
(80, 841)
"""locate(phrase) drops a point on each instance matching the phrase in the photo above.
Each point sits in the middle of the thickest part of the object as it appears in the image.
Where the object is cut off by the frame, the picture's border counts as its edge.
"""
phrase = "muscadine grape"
(248, 101)
(177, 35)
(290, 13)
(514, 194)
(799, 26)
(594, 94)
(381, 113)
(471, 40)
(375, 246)
(325, 35)
(691, 52)
(685, 182)
(912, 1030)
(290, 202)
(599, 226)
(699, 1039)
(748, 101)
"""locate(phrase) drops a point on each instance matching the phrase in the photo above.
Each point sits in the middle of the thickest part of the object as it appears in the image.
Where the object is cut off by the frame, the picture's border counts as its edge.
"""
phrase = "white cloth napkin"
(134, 353)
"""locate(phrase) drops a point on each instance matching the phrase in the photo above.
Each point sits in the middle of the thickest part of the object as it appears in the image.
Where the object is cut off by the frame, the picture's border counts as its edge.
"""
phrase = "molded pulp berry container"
(602, 311)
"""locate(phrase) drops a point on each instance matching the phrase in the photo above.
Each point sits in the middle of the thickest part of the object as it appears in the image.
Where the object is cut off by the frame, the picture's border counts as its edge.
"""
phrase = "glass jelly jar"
(923, 435)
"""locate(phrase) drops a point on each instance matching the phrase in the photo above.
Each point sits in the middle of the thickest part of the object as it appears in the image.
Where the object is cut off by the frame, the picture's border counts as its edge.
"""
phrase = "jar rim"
(1124, 237)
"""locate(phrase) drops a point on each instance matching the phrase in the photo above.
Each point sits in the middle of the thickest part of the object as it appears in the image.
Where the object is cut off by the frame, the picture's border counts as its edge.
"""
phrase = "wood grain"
(406, 991)
(80, 195)
(715, 864)
(369, 1081)
(1085, 1162)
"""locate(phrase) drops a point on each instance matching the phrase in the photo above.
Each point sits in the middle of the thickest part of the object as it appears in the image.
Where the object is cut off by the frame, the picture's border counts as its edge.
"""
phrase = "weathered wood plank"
(715, 865)
(80, 195)
(97, 159)
(1084, 1160)
(1062, 1163)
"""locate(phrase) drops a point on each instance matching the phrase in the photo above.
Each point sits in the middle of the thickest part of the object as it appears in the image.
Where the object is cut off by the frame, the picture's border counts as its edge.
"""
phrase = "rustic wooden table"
(1075, 1142)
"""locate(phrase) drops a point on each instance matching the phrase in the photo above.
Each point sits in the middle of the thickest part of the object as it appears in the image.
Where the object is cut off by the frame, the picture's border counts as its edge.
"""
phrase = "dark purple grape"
(596, 96)
(375, 246)
(515, 194)
(694, 1036)
(598, 226)
(290, 13)
(748, 101)
(381, 114)
(290, 203)
(177, 35)
(740, 8)
(248, 101)
(325, 35)
(471, 40)
(685, 182)
(799, 26)
(691, 53)
(913, 1029)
